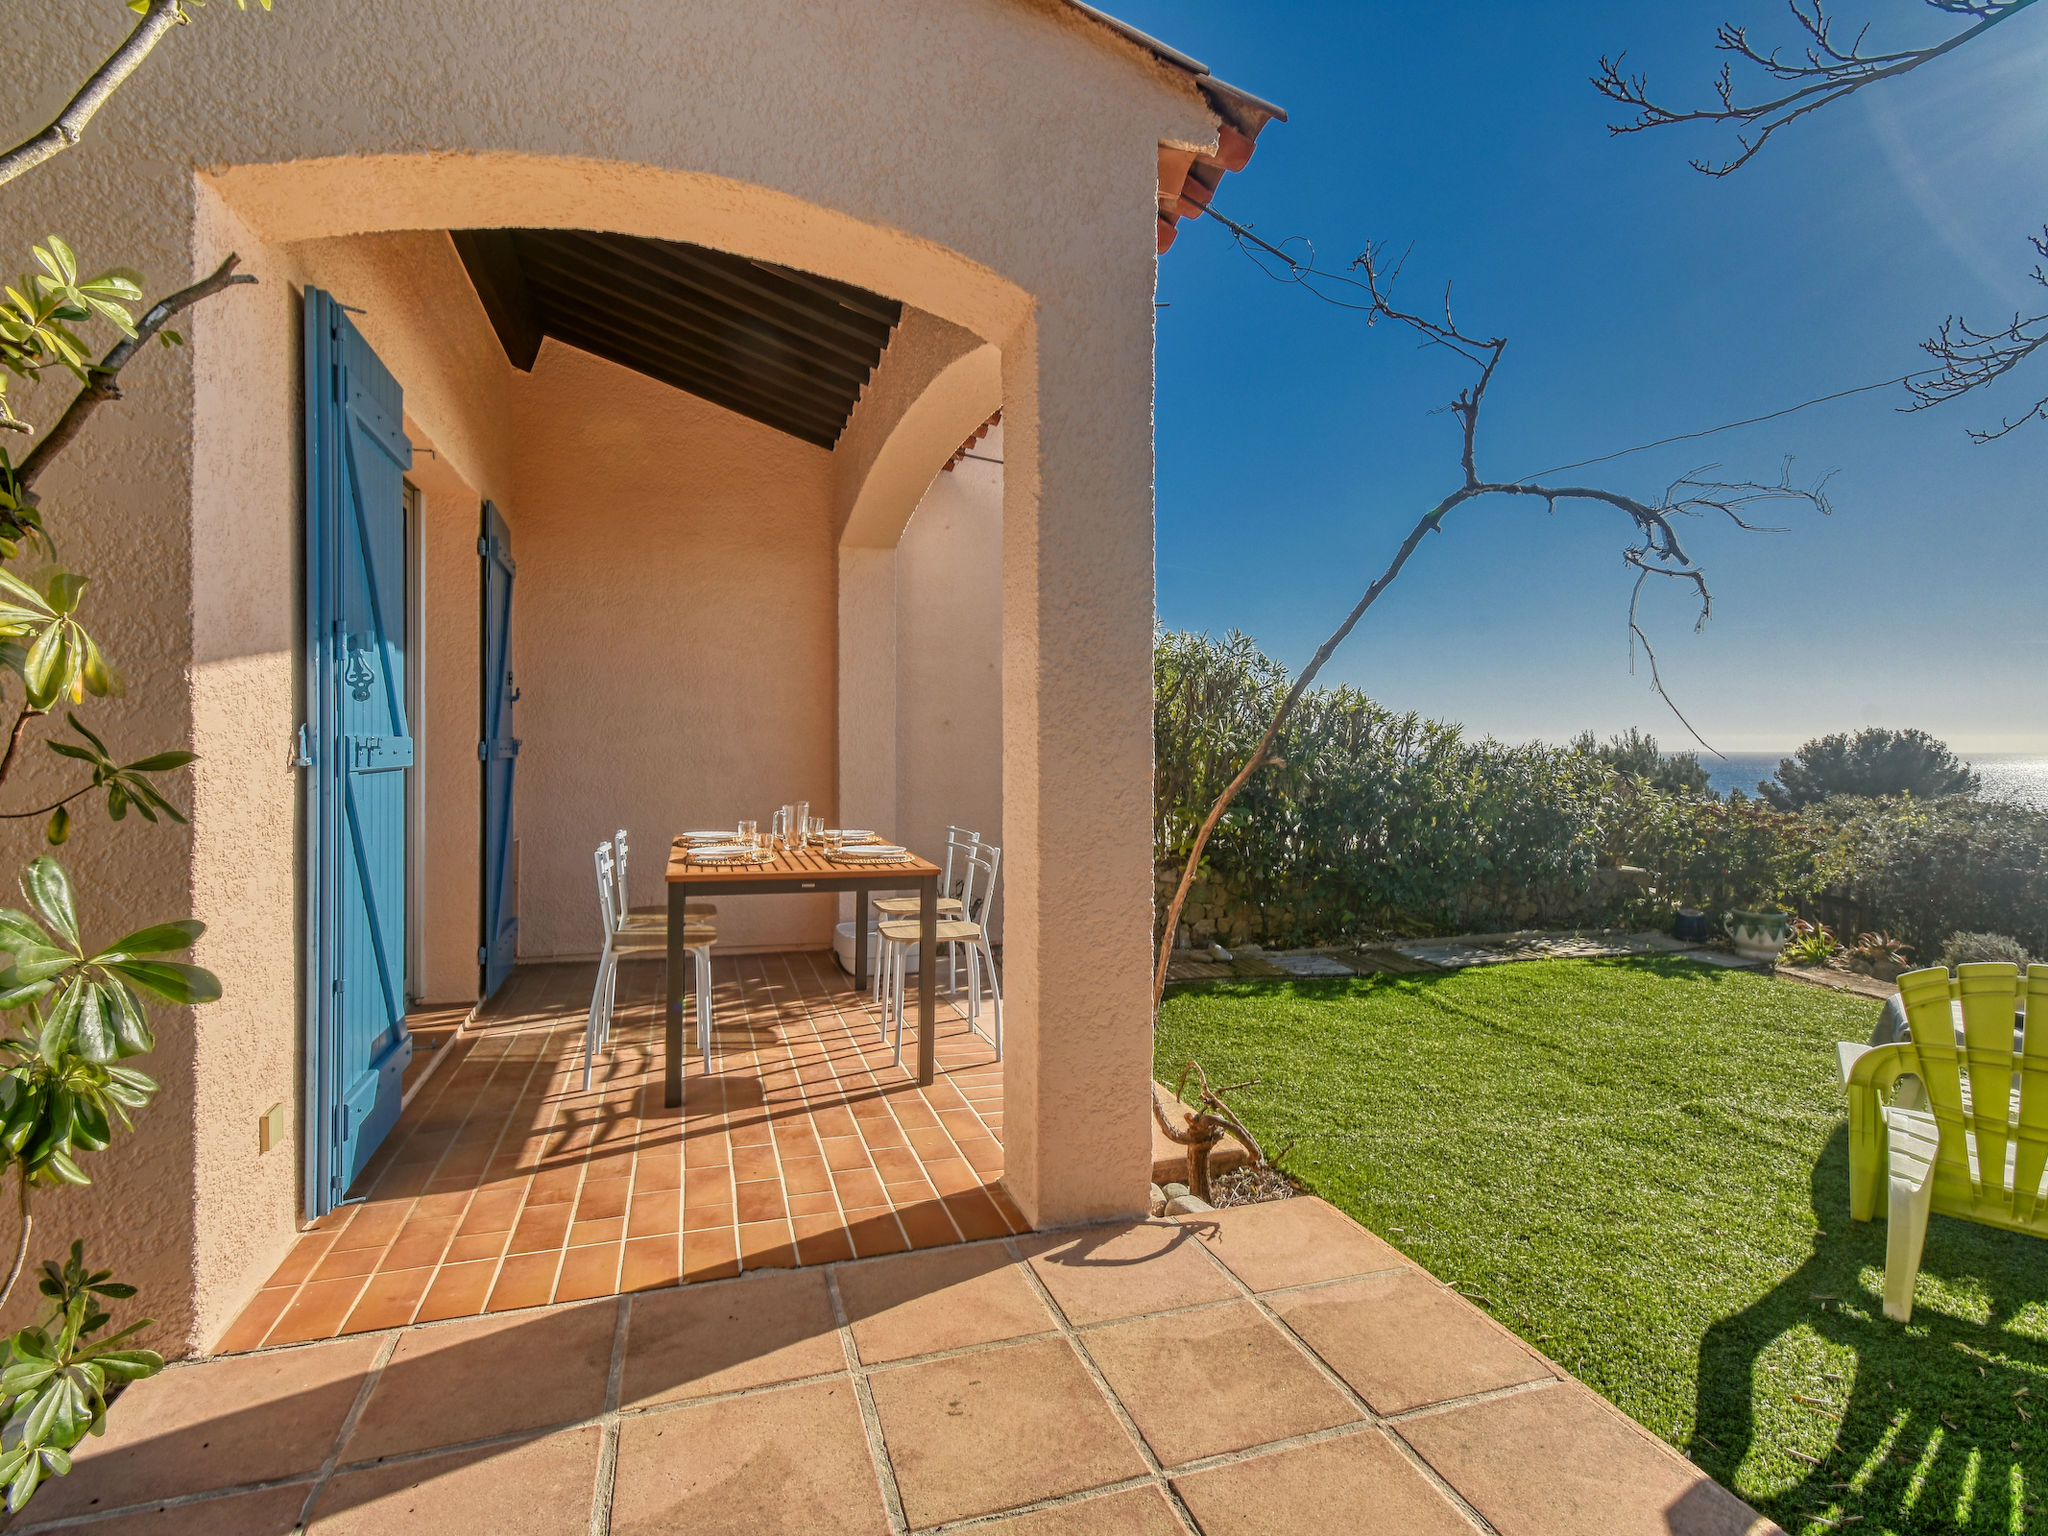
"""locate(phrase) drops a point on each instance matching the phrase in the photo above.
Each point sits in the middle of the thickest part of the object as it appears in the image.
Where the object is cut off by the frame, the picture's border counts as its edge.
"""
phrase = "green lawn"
(1640, 1166)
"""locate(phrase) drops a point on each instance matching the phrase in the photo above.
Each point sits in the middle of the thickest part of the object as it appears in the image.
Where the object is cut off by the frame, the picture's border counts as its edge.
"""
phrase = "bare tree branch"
(1821, 74)
(64, 131)
(1966, 358)
(1657, 549)
(105, 374)
(1825, 71)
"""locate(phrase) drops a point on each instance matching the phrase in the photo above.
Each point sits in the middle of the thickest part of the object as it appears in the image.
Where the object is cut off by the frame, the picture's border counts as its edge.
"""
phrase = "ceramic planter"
(1759, 935)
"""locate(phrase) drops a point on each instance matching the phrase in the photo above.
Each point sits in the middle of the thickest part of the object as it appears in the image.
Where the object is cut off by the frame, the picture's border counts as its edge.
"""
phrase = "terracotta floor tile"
(375, 1225)
(657, 1171)
(876, 1230)
(487, 1376)
(928, 1225)
(976, 1215)
(760, 1200)
(707, 1186)
(1558, 1459)
(317, 1311)
(1292, 1242)
(541, 1227)
(858, 1187)
(806, 1176)
(589, 1271)
(654, 1212)
(845, 1152)
(537, 1487)
(458, 1290)
(1134, 1512)
(1158, 1366)
(343, 1263)
(750, 1164)
(945, 1298)
(555, 1186)
(982, 1432)
(267, 1512)
(493, 1210)
(651, 1262)
(1402, 1340)
(897, 1165)
(582, 1233)
(821, 1239)
(481, 1245)
(216, 1424)
(247, 1330)
(793, 1460)
(699, 1340)
(710, 1255)
(1121, 1270)
(419, 1242)
(985, 1155)
(1323, 1489)
(389, 1300)
(766, 1245)
(826, 1204)
(701, 1218)
(525, 1280)
(602, 1199)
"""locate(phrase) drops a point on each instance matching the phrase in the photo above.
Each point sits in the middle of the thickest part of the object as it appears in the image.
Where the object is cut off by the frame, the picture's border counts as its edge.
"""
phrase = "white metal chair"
(959, 841)
(970, 931)
(645, 917)
(645, 942)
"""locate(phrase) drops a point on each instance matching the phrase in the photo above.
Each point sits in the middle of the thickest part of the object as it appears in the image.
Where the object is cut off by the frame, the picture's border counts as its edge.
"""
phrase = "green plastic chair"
(1954, 1120)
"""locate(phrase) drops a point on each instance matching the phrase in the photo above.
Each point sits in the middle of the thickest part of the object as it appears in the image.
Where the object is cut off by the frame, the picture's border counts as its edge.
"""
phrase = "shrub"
(1924, 869)
(1873, 762)
(1970, 948)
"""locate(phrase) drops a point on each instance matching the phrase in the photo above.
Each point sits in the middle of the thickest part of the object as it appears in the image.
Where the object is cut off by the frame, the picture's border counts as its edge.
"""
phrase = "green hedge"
(1380, 823)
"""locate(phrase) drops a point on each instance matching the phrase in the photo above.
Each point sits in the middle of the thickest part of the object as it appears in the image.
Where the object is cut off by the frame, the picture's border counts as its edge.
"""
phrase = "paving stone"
(1222, 1379)
(793, 1461)
(1401, 1340)
(216, 1424)
(974, 1434)
(1355, 1485)
(700, 1340)
(1557, 1461)
(941, 1298)
(1100, 1273)
(1291, 1242)
(540, 1487)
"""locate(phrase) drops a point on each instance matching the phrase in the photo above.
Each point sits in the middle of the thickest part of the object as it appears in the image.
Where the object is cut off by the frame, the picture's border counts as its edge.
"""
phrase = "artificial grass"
(1640, 1166)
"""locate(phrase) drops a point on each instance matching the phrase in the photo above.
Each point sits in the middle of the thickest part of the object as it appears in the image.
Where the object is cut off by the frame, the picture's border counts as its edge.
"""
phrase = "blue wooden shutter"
(499, 749)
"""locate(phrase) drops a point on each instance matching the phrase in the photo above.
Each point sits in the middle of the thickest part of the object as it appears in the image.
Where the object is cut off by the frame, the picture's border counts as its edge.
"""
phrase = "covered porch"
(506, 1184)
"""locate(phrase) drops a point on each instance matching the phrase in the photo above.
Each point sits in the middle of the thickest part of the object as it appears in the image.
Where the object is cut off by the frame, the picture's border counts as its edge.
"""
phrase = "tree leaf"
(169, 979)
(48, 889)
(160, 762)
(158, 939)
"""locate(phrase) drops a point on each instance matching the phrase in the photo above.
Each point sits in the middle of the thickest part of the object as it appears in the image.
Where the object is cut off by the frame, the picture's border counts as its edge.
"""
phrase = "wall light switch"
(270, 1128)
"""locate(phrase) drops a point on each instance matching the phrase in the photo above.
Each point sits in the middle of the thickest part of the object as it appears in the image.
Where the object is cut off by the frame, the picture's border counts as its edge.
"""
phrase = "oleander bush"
(1374, 823)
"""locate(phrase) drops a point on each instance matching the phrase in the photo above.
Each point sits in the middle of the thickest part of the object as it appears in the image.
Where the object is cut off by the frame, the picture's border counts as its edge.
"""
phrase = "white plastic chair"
(645, 917)
(959, 841)
(970, 931)
(645, 941)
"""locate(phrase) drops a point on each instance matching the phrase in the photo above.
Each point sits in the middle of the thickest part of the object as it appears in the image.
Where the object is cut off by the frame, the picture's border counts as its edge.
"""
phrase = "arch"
(312, 199)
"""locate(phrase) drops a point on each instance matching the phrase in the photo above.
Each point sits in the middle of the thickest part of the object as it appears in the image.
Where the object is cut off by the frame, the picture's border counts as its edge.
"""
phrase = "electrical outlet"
(270, 1128)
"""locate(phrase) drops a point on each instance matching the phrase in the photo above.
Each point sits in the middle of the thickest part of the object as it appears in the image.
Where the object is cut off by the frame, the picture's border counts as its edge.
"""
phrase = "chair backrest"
(958, 840)
(1994, 1138)
(607, 910)
(621, 895)
(979, 889)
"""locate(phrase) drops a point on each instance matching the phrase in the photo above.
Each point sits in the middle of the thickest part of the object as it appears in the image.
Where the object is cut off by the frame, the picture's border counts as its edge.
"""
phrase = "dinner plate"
(719, 850)
(724, 836)
(856, 834)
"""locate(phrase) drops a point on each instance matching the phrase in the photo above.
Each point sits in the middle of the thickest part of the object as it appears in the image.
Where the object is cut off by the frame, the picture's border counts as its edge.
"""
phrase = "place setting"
(792, 830)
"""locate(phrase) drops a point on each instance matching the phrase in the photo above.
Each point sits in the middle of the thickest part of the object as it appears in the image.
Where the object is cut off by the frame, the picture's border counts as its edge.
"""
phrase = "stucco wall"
(673, 635)
(1005, 183)
(949, 660)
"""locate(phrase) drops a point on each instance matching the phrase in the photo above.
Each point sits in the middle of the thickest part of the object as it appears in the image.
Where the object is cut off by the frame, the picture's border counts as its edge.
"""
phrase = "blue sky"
(1641, 299)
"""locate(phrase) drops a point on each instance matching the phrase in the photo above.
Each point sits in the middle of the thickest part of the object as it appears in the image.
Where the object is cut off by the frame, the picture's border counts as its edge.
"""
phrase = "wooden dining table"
(792, 872)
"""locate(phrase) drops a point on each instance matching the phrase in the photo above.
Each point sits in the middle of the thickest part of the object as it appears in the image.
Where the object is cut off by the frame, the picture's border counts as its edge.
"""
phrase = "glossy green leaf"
(158, 939)
(48, 890)
(170, 980)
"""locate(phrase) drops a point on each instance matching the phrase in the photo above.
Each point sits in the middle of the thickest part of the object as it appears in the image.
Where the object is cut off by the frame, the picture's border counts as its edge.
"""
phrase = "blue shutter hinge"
(483, 956)
(304, 759)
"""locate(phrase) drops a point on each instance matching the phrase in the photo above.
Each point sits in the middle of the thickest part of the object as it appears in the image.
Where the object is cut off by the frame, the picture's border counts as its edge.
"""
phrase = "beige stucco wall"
(949, 660)
(1006, 185)
(673, 636)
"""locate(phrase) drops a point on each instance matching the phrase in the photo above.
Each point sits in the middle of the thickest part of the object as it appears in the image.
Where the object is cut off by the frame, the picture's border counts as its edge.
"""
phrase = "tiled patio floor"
(1270, 1369)
(506, 1185)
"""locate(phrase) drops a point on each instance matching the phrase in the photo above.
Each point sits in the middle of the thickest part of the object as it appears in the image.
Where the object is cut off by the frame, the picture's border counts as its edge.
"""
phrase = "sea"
(2021, 778)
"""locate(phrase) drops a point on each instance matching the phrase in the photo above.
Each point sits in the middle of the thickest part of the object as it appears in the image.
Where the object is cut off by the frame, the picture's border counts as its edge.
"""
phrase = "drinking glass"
(750, 834)
(799, 823)
(834, 838)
